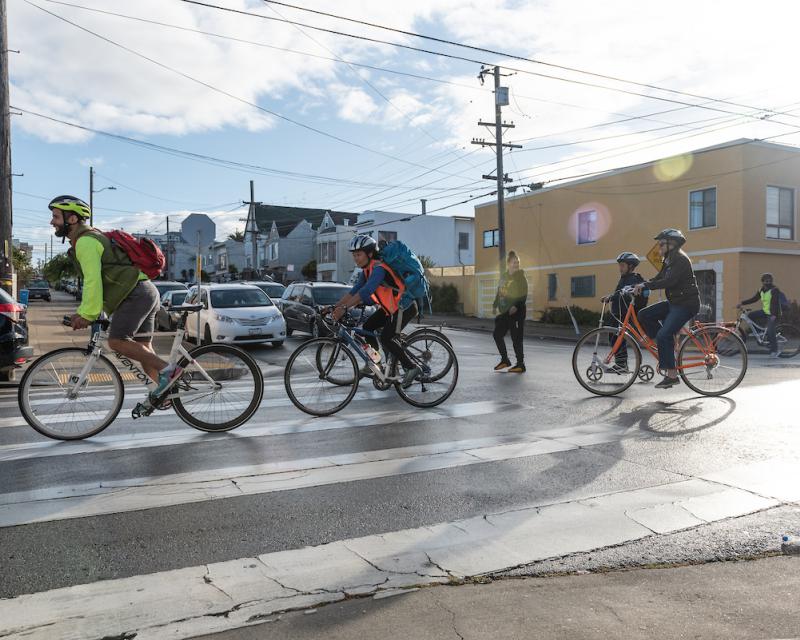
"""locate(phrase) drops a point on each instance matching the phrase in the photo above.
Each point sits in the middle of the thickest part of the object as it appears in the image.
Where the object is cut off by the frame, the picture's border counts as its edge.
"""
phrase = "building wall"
(632, 206)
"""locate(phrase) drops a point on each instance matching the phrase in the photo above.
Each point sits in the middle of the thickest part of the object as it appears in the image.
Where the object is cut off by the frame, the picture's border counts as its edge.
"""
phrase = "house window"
(463, 241)
(327, 252)
(582, 287)
(387, 236)
(703, 208)
(780, 213)
(491, 238)
(552, 286)
(587, 227)
(273, 251)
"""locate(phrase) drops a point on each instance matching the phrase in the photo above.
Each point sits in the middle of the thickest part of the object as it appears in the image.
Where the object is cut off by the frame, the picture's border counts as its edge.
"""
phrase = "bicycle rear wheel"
(226, 401)
(601, 368)
(321, 377)
(712, 361)
(788, 340)
(439, 364)
(420, 336)
(50, 403)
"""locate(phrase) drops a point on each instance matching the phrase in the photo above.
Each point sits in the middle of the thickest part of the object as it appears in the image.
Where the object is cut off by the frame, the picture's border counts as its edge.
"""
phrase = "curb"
(486, 329)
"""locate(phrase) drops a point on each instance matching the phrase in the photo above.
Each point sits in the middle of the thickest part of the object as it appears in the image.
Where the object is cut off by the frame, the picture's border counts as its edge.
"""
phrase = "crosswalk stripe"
(133, 494)
(253, 429)
(192, 601)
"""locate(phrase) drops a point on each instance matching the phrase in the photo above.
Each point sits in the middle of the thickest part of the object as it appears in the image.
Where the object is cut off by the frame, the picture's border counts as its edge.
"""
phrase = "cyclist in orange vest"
(378, 285)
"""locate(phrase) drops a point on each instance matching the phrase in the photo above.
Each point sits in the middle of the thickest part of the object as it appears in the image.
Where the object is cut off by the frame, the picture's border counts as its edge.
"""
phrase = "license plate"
(254, 332)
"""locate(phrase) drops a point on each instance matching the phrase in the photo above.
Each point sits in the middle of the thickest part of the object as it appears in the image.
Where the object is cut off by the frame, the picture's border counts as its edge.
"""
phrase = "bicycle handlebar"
(103, 322)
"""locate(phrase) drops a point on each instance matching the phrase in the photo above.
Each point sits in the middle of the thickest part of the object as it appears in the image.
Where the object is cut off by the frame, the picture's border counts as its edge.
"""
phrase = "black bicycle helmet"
(629, 258)
(672, 234)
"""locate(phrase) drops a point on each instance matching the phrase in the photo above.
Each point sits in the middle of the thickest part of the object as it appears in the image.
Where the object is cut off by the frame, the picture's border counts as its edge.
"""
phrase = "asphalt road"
(152, 497)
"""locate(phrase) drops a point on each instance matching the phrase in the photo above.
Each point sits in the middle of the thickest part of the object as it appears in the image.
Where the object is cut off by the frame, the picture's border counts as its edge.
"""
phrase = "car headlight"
(222, 318)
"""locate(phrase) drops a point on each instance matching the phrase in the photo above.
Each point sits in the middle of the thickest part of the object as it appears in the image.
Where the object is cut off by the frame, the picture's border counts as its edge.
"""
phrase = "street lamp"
(92, 191)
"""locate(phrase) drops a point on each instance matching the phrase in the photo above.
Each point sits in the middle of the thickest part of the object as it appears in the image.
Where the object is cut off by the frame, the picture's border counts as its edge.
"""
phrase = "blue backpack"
(400, 259)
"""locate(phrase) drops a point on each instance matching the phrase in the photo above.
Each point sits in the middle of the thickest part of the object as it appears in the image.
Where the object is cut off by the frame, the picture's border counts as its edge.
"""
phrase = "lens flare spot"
(673, 168)
(590, 222)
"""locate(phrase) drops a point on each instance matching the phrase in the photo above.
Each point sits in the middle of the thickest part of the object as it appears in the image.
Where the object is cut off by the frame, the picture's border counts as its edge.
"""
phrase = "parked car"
(273, 289)
(14, 349)
(166, 318)
(168, 285)
(301, 300)
(235, 313)
(39, 289)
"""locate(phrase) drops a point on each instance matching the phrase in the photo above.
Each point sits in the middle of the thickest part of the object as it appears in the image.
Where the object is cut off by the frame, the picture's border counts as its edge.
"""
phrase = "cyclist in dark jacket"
(682, 304)
(770, 311)
(627, 263)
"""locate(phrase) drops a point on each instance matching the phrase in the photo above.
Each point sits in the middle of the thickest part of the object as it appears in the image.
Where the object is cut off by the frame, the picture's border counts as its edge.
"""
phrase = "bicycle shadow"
(680, 417)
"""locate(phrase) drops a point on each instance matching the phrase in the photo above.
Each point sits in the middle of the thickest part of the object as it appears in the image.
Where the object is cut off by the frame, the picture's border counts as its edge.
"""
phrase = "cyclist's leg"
(136, 314)
(373, 323)
(772, 337)
(390, 329)
(676, 317)
(650, 316)
(621, 356)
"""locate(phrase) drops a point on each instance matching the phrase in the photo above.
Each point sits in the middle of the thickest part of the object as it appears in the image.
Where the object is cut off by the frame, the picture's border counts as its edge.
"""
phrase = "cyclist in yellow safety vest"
(770, 310)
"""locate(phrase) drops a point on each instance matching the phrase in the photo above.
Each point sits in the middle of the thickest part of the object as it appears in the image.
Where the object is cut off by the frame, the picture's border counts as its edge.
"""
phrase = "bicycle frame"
(758, 332)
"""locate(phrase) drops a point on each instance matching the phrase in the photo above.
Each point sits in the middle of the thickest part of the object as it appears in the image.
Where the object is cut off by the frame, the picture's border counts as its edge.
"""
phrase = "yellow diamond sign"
(654, 257)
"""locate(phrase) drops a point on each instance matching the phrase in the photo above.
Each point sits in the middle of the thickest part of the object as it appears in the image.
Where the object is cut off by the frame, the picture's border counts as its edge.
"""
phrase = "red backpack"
(143, 252)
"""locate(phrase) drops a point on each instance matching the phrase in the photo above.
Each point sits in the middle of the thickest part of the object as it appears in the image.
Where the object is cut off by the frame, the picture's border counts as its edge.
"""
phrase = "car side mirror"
(166, 304)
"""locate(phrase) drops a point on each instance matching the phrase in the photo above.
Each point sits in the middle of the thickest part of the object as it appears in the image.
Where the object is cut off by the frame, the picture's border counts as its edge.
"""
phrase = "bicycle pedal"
(142, 410)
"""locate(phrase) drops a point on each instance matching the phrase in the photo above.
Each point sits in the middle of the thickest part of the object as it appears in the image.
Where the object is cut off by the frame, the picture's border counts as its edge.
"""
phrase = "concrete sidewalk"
(730, 600)
(532, 329)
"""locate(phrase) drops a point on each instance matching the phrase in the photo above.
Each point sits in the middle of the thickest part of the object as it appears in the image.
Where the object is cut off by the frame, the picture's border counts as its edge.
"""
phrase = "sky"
(178, 106)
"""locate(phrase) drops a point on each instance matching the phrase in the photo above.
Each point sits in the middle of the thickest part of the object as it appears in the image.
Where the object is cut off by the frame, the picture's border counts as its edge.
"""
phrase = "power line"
(211, 87)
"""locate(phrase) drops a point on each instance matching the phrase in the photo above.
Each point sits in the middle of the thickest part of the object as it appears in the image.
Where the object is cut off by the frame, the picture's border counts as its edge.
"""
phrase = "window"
(780, 213)
(582, 287)
(552, 286)
(327, 252)
(387, 236)
(463, 241)
(703, 208)
(491, 238)
(587, 227)
(273, 251)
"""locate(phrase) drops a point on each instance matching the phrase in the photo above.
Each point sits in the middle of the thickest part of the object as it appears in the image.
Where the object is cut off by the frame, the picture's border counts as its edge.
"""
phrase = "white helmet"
(363, 242)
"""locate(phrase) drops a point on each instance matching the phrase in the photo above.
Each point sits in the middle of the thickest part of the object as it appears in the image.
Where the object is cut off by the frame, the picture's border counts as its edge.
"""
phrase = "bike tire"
(435, 332)
(734, 346)
(321, 358)
(252, 397)
(296, 364)
(452, 366)
(426, 332)
(791, 333)
(595, 334)
(29, 379)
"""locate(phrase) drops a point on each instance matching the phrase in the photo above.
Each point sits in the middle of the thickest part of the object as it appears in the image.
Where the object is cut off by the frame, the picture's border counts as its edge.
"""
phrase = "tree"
(59, 267)
(426, 262)
(309, 271)
(22, 267)
(237, 236)
(204, 277)
(233, 270)
(184, 275)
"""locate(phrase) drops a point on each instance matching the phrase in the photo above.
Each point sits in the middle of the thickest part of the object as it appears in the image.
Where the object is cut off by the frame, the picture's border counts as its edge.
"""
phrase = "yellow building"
(735, 202)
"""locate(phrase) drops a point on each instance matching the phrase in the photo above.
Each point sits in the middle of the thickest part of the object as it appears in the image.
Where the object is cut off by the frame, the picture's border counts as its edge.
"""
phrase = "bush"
(792, 314)
(560, 315)
(445, 298)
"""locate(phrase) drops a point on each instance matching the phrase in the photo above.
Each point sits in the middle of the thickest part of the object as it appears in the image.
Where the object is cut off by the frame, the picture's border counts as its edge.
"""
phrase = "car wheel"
(207, 335)
(277, 344)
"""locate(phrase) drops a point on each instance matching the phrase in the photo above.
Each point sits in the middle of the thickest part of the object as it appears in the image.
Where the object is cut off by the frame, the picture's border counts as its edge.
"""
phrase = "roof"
(287, 218)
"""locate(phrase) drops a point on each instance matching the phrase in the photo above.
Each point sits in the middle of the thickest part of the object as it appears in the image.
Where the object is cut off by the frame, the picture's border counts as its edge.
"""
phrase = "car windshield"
(272, 290)
(328, 295)
(40, 284)
(163, 288)
(179, 297)
(244, 297)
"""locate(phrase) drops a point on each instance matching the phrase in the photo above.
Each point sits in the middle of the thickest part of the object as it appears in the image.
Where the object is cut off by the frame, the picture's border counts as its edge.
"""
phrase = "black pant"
(388, 326)
(505, 323)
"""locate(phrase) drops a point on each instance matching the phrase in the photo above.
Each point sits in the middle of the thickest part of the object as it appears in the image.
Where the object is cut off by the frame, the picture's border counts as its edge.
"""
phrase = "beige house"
(736, 203)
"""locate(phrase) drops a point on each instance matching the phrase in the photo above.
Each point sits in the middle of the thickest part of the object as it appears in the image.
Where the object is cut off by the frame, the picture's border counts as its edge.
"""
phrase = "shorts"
(136, 313)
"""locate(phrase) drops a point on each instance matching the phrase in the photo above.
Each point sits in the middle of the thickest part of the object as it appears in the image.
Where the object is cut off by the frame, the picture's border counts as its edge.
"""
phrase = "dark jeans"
(505, 323)
(760, 317)
(672, 318)
(388, 326)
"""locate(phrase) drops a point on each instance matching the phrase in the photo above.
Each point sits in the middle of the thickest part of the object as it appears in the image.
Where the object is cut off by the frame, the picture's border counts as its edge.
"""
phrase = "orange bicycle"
(711, 359)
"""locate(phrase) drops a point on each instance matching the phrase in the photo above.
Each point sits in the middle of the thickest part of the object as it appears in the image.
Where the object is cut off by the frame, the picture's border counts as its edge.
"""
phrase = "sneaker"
(667, 382)
(165, 377)
(517, 368)
(408, 377)
(504, 364)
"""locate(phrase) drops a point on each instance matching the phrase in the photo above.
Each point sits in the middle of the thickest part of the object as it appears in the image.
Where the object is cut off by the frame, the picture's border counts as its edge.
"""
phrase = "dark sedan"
(302, 300)
(14, 349)
(39, 289)
(166, 318)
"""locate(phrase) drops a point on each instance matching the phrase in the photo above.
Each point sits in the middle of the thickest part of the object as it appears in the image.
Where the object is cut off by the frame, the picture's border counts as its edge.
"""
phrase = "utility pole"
(424, 205)
(6, 217)
(169, 249)
(91, 196)
(250, 223)
(500, 100)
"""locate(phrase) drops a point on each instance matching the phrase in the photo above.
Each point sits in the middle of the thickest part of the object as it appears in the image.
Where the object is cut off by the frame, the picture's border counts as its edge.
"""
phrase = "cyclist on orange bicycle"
(627, 263)
(682, 304)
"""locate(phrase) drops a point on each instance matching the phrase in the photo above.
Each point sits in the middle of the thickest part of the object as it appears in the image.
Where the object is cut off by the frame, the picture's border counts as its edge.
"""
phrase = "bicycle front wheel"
(603, 363)
(54, 403)
(788, 340)
(439, 365)
(321, 377)
(712, 361)
(220, 389)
